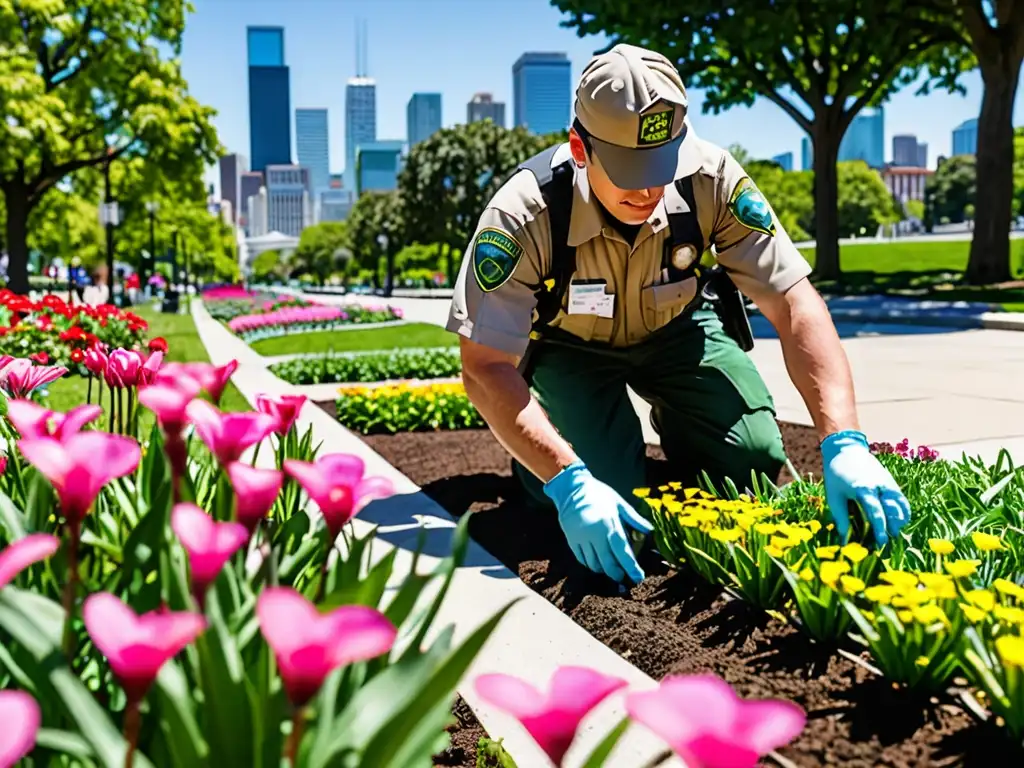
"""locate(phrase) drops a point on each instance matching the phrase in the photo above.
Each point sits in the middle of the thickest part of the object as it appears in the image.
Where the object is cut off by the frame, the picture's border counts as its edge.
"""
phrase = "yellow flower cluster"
(836, 565)
(422, 391)
(984, 542)
(725, 520)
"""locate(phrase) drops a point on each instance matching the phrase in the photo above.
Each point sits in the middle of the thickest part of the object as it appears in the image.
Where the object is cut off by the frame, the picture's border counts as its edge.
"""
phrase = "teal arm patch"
(495, 256)
(750, 209)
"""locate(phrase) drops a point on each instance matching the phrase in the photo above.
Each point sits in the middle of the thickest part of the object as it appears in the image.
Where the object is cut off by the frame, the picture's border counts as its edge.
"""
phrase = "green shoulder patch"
(750, 208)
(495, 256)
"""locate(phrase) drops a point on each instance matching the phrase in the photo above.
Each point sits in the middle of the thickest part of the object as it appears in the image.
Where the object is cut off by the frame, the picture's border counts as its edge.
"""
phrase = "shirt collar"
(587, 221)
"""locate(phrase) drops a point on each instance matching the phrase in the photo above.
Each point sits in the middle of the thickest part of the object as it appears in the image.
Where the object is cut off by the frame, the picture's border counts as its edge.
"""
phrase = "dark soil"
(675, 623)
(465, 733)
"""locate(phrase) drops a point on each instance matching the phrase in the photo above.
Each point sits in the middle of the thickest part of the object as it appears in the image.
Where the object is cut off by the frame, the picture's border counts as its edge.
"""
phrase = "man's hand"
(852, 473)
(591, 515)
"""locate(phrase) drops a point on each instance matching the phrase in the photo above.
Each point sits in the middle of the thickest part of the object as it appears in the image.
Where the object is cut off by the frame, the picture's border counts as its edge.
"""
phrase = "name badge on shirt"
(589, 298)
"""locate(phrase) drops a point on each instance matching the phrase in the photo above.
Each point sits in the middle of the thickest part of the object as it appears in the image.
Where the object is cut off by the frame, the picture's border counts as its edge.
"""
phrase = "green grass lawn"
(183, 346)
(395, 337)
(916, 268)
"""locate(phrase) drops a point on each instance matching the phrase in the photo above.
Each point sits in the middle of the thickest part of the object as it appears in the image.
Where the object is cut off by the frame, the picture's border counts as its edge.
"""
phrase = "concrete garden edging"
(532, 640)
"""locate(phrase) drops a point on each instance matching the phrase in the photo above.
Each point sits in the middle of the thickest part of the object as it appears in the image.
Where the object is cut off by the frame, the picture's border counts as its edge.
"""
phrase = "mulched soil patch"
(675, 623)
(465, 733)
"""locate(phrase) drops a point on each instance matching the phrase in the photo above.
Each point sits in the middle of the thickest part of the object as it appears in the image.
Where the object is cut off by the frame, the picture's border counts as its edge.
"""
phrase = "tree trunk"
(989, 261)
(18, 209)
(827, 135)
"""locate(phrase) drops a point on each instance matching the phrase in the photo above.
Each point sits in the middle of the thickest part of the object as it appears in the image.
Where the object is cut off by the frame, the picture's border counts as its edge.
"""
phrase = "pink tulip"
(34, 421)
(150, 368)
(284, 408)
(255, 492)
(96, 361)
(709, 726)
(209, 377)
(309, 645)
(228, 435)
(22, 553)
(209, 544)
(6, 360)
(137, 646)
(553, 718)
(168, 402)
(21, 719)
(123, 368)
(20, 377)
(80, 465)
(3, 464)
(336, 484)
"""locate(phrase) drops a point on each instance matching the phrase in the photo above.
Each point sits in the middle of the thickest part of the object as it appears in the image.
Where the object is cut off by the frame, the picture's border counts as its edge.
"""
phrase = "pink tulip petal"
(77, 418)
(206, 419)
(209, 544)
(111, 624)
(285, 617)
(314, 482)
(770, 724)
(372, 488)
(168, 403)
(49, 457)
(255, 492)
(24, 552)
(580, 689)
(714, 751)
(21, 719)
(30, 419)
(357, 633)
(342, 468)
(508, 693)
(108, 456)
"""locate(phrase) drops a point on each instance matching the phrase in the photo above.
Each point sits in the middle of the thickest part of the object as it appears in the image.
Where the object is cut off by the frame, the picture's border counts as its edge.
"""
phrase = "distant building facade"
(865, 138)
(906, 183)
(231, 169)
(313, 145)
(379, 163)
(785, 160)
(288, 199)
(542, 92)
(422, 117)
(360, 121)
(965, 138)
(270, 116)
(483, 107)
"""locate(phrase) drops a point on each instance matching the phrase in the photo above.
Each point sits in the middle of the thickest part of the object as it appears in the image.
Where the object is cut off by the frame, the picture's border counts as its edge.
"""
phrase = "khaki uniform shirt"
(496, 308)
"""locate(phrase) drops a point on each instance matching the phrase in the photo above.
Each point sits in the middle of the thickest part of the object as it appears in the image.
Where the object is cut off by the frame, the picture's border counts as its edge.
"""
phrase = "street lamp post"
(150, 262)
(389, 280)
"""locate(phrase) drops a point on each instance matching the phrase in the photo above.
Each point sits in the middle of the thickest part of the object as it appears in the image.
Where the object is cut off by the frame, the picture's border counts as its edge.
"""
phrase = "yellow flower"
(974, 615)
(664, 488)
(981, 598)
(986, 542)
(831, 571)
(1008, 588)
(940, 546)
(674, 507)
(908, 598)
(781, 543)
(813, 525)
(643, 493)
(869, 615)
(654, 504)
(688, 521)
(851, 584)
(1008, 614)
(806, 574)
(960, 569)
(668, 497)
(744, 520)
(905, 616)
(675, 486)
(880, 593)
(726, 534)
(1011, 650)
(902, 580)
(942, 585)
(772, 551)
(800, 534)
(696, 493)
(854, 552)
(929, 614)
(766, 529)
(922, 661)
(827, 553)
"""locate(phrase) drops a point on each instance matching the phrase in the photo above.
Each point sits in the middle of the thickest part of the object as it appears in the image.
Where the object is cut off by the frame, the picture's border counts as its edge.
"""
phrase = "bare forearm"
(503, 398)
(817, 363)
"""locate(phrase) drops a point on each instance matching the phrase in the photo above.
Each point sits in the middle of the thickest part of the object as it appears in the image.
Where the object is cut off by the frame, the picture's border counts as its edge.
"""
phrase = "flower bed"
(303, 319)
(406, 407)
(50, 331)
(421, 364)
(678, 622)
(253, 303)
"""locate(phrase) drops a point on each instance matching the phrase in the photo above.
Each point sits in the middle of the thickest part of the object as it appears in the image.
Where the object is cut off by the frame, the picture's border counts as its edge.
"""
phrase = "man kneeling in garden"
(585, 275)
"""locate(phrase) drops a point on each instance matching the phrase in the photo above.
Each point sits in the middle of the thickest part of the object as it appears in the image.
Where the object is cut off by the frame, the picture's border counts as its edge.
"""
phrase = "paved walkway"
(953, 389)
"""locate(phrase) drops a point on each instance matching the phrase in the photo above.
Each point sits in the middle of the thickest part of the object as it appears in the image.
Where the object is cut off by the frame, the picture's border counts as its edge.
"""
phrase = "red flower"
(74, 333)
(159, 344)
(77, 356)
(40, 357)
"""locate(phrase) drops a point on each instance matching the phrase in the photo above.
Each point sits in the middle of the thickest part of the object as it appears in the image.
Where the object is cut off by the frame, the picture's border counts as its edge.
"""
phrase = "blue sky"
(459, 47)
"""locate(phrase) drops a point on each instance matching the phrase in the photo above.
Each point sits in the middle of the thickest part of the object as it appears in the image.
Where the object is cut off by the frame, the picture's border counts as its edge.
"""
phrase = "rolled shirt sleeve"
(750, 243)
(494, 296)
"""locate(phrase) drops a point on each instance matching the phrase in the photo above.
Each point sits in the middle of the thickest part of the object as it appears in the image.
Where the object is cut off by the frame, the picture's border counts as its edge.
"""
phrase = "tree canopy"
(951, 189)
(84, 82)
(323, 250)
(821, 63)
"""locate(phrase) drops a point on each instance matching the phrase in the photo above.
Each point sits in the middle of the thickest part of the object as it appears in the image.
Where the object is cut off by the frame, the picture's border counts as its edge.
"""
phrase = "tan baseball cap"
(633, 104)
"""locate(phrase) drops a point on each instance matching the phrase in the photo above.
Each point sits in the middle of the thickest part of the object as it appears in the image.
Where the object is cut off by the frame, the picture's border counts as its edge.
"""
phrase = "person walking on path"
(589, 272)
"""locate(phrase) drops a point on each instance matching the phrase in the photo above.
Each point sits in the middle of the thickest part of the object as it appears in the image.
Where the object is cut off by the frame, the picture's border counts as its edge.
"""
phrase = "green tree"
(914, 209)
(65, 225)
(268, 266)
(448, 179)
(952, 188)
(1018, 172)
(790, 193)
(865, 203)
(86, 82)
(322, 250)
(820, 62)
(375, 214)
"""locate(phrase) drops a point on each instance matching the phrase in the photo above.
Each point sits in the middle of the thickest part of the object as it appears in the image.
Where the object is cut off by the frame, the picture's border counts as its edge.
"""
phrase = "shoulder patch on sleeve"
(748, 206)
(495, 256)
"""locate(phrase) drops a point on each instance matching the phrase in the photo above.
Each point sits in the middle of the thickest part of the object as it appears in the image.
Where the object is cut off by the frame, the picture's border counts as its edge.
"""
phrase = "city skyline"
(320, 59)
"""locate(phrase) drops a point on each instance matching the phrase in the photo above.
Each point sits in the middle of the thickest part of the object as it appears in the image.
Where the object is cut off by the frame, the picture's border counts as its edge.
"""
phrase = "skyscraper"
(270, 116)
(288, 200)
(785, 160)
(542, 92)
(483, 107)
(907, 152)
(865, 138)
(965, 138)
(422, 117)
(231, 169)
(360, 110)
(379, 163)
(312, 146)
(922, 154)
(806, 154)
(249, 185)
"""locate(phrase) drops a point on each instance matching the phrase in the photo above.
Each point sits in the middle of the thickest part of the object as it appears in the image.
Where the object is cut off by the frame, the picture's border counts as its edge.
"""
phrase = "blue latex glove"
(852, 473)
(591, 515)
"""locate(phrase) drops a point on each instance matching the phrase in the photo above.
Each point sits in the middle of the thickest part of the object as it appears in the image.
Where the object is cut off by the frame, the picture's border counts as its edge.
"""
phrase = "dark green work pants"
(712, 409)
